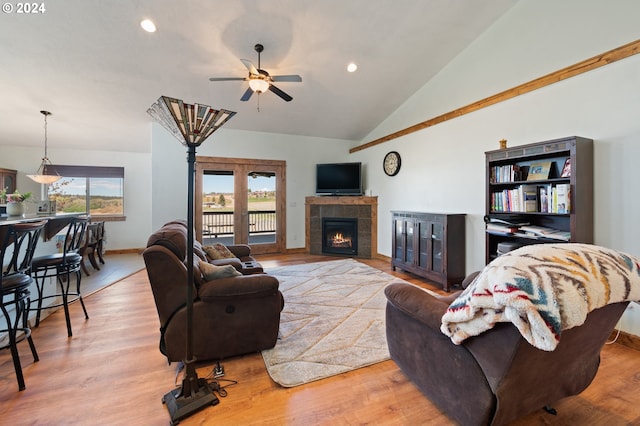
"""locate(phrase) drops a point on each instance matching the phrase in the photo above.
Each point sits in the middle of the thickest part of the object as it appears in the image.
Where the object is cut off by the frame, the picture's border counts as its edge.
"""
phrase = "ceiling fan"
(259, 80)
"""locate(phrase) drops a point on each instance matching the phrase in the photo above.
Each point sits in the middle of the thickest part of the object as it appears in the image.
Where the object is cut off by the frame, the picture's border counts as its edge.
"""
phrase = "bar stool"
(101, 238)
(18, 245)
(62, 266)
(89, 247)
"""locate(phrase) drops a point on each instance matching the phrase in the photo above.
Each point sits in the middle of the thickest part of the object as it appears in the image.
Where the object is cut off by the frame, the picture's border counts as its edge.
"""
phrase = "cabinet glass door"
(9, 183)
(399, 239)
(409, 242)
(424, 230)
(437, 232)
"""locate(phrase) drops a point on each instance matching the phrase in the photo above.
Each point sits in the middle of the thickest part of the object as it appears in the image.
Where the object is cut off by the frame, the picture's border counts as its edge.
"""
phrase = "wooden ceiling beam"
(597, 61)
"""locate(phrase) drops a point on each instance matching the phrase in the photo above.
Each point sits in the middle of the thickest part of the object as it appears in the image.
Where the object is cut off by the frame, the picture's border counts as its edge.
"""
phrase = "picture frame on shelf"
(539, 171)
(566, 169)
(46, 208)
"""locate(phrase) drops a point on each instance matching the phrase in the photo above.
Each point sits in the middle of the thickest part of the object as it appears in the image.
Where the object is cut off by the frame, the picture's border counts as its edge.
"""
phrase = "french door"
(241, 201)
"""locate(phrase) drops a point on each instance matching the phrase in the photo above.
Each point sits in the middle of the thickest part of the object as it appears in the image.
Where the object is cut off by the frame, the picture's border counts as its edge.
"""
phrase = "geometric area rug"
(333, 320)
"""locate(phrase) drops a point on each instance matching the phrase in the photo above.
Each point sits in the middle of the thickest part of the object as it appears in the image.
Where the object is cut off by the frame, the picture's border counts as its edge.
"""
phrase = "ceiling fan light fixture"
(260, 80)
(259, 85)
(42, 175)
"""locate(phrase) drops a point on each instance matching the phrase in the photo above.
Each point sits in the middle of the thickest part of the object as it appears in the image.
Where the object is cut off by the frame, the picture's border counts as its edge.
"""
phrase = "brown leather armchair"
(232, 316)
(494, 377)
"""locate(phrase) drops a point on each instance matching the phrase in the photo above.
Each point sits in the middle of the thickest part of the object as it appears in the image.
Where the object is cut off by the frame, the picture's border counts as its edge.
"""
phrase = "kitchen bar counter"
(54, 225)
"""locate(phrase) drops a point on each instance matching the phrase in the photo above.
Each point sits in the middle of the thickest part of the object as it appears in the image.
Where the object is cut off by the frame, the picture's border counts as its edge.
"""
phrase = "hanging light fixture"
(41, 175)
(191, 125)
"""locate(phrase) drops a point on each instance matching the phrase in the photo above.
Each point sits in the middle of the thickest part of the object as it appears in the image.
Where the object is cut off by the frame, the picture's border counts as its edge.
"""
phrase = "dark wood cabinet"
(8, 180)
(559, 205)
(430, 245)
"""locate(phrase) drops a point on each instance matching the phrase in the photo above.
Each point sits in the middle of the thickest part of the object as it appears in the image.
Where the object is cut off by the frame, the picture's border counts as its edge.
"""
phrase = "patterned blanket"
(543, 289)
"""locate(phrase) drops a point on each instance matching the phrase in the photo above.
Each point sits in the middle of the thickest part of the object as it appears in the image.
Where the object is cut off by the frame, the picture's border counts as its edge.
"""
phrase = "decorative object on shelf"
(15, 209)
(46, 207)
(539, 171)
(391, 163)
(15, 202)
(41, 175)
(191, 125)
(566, 169)
(503, 144)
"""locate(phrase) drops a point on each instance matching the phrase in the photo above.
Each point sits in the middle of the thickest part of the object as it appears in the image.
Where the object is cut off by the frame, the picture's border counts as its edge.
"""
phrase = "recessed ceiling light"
(352, 67)
(148, 25)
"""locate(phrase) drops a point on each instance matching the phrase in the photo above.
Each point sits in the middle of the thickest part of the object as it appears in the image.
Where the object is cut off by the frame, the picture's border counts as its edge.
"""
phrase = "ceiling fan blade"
(247, 63)
(294, 78)
(247, 95)
(280, 93)
(227, 78)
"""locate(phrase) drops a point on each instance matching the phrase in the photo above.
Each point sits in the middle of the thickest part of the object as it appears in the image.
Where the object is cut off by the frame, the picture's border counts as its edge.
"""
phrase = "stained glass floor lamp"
(191, 125)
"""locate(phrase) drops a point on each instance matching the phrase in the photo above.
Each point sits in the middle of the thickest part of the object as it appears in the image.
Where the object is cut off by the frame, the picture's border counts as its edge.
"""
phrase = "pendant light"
(41, 175)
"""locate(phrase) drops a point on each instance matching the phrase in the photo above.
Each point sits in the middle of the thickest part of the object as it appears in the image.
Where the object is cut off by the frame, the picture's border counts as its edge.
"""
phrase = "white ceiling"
(97, 71)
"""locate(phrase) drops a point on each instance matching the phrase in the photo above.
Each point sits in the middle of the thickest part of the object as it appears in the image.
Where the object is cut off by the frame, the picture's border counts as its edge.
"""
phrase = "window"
(96, 190)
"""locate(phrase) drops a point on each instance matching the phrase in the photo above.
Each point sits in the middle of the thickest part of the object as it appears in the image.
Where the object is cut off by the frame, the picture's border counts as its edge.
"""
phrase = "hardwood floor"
(111, 372)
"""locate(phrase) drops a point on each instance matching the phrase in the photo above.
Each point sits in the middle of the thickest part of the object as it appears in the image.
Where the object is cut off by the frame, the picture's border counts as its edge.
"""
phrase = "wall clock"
(391, 163)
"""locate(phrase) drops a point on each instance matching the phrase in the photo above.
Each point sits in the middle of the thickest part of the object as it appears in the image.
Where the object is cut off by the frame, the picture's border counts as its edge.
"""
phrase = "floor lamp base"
(181, 406)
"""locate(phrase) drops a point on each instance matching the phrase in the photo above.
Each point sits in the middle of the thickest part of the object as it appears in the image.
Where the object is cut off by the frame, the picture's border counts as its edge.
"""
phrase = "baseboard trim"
(125, 251)
(626, 339)
(299, 250)
(382, 257)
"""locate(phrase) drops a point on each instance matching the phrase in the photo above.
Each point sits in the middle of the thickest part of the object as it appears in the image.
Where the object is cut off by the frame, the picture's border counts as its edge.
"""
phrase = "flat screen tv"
(339, 179)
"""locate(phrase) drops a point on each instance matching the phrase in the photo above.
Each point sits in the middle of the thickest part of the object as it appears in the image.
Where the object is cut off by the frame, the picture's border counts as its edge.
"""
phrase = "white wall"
(443, 166)
(133, 232)
(301, 153)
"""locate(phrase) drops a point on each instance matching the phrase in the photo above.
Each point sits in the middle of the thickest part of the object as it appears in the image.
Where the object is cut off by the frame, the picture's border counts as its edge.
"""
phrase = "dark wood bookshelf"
(576, 225)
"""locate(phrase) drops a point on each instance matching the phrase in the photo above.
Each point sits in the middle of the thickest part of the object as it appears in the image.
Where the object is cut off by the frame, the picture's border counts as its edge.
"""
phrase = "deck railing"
(221, 223)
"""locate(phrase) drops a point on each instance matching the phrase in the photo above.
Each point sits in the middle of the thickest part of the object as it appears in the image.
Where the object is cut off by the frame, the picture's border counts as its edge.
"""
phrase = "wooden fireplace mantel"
(342, 200)
(334, 203)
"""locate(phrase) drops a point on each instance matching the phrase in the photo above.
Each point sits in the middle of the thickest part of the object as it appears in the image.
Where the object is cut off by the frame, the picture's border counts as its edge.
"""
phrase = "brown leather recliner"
(231, 316)
(494, 377)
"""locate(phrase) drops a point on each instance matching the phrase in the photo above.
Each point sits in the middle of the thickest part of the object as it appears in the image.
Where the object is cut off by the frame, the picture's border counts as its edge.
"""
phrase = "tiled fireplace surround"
(364, 208)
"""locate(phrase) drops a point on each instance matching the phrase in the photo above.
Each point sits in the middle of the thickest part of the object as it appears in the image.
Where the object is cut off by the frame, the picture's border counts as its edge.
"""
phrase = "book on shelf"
(545, 232)
(502, 229)
(529, 198)
(543, 198)
(503, 226)
(505, 174)
(524, 198)
(563, 199)
(515, 222)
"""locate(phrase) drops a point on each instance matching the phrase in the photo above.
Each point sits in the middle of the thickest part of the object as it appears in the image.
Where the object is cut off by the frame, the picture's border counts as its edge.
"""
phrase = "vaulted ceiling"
(97, 71)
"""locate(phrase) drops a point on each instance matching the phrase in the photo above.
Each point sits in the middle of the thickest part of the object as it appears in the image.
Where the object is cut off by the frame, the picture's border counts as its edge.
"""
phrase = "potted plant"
(15, 206)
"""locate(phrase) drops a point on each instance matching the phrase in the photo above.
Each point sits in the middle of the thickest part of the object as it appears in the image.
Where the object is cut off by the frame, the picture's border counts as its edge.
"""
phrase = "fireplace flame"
(338, 240)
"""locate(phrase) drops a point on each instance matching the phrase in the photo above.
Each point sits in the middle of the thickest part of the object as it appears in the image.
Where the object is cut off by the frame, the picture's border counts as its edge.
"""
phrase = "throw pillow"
(218, 251)
(213, 272)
